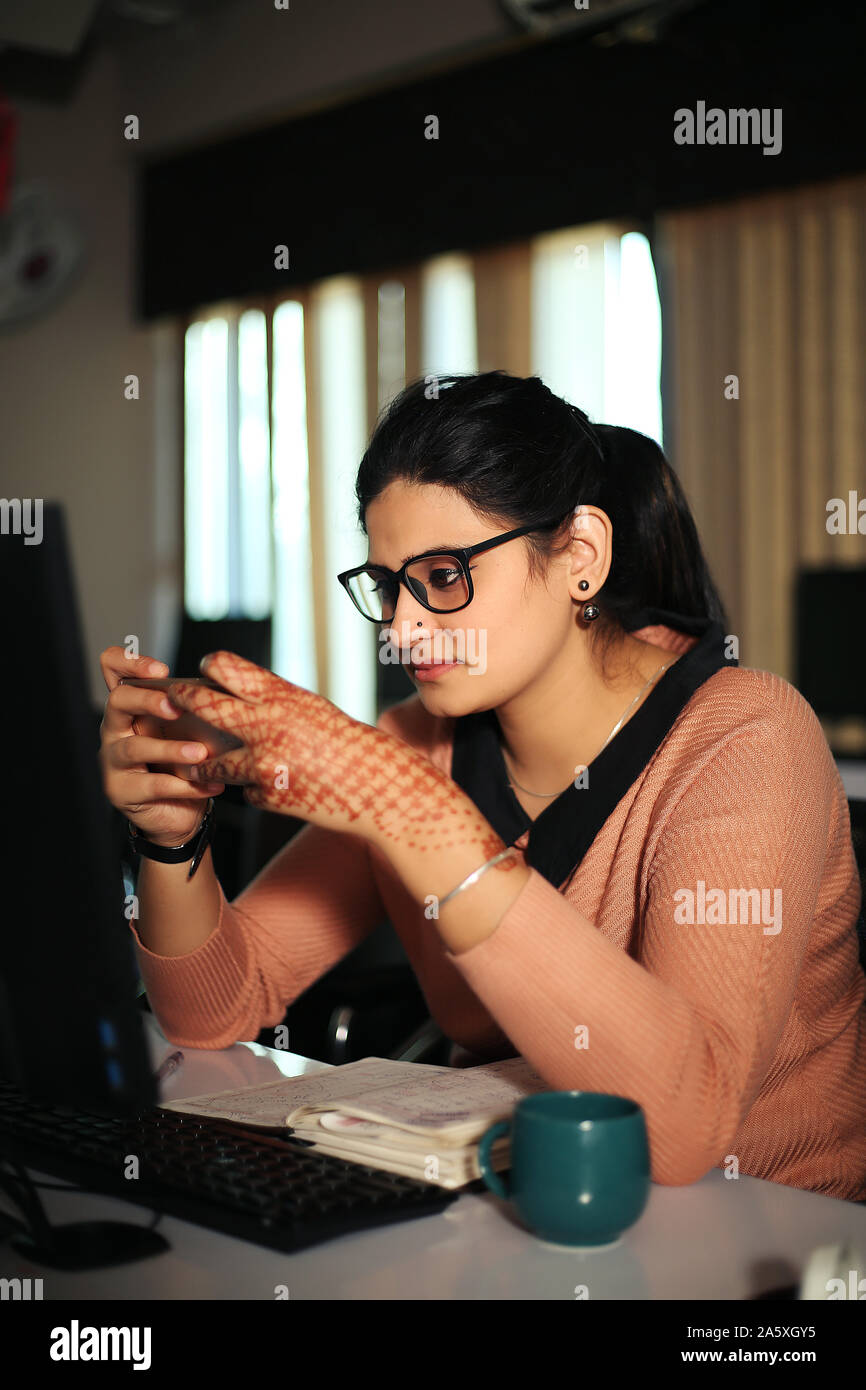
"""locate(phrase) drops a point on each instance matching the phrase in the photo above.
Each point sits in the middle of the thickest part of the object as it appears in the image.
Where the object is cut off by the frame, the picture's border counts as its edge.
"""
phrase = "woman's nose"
(407, 625)
(409, 613)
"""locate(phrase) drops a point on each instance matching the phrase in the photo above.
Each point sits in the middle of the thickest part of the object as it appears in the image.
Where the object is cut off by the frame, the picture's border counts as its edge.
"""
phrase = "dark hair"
(519, 454)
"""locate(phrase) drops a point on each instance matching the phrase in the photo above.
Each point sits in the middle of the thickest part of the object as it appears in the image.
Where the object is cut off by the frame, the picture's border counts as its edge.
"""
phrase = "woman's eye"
(443, 578)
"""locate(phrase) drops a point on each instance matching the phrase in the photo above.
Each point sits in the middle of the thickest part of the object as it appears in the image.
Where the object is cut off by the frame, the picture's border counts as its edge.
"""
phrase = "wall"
(68, 432)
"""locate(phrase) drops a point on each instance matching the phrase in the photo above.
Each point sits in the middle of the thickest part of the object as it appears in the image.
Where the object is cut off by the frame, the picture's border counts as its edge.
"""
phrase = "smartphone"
(188, 727)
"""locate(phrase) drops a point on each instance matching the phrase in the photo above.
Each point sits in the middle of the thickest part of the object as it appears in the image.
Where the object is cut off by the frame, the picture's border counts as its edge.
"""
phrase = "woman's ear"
(590, 552)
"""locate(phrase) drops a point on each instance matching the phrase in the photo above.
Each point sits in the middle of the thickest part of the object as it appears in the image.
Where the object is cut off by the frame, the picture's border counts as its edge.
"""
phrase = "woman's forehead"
(407, 519)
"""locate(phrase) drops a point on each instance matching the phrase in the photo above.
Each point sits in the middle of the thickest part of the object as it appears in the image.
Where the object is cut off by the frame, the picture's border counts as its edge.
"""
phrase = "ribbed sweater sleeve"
(308, 907)
(688, 1024)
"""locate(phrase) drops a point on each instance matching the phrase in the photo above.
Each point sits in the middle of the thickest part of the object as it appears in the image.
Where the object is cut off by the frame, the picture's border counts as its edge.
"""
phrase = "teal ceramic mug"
(580, 1165)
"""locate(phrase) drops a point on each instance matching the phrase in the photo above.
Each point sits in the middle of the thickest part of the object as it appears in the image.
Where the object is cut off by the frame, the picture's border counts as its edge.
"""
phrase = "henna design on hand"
(302, 756)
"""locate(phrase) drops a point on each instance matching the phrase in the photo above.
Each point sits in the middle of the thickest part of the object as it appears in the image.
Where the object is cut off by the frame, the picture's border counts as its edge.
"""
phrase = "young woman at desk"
(604, 845)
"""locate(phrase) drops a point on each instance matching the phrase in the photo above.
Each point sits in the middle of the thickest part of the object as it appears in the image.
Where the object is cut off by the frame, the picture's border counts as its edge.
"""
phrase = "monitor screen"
(70, 1029)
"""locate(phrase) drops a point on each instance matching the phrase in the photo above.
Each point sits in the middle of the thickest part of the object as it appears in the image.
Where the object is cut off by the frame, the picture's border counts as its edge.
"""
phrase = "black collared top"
(560, 836)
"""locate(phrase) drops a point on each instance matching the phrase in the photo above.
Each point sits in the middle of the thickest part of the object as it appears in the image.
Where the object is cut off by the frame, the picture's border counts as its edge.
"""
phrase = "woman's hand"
(304, 757)
(162, 805)
(301, 755)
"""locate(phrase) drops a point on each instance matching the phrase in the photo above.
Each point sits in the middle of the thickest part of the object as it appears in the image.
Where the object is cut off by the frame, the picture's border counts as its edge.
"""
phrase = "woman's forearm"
(472, 915)
(176, 914)
(433, 835)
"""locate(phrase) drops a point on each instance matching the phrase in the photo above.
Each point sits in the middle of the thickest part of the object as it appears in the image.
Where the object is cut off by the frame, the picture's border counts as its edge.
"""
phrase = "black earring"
(590, 611)
(584, 584)
(419, 623)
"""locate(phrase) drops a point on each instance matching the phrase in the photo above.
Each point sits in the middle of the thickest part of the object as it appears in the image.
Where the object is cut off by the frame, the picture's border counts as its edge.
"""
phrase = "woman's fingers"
(243, 678)
(125, 702)
(116, 663)
(161, 786)
(138, 750)
(233, 767)
(219, 710)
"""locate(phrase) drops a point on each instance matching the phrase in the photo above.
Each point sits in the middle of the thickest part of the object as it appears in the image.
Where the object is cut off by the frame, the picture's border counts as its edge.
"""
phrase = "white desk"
(716, 1239)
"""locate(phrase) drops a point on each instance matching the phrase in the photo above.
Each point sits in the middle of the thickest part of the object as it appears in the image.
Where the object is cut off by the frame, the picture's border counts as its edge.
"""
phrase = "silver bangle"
(476, 874)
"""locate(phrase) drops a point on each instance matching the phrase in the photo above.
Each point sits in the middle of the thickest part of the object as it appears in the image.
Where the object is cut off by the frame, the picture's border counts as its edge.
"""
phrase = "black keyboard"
(272, 1189)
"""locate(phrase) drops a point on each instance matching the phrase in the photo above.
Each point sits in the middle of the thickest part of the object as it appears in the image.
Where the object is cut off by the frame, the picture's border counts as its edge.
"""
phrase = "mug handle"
(492, 1178)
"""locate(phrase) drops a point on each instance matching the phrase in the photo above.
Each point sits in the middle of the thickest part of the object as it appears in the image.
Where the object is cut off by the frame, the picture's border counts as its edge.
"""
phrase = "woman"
(667, 895)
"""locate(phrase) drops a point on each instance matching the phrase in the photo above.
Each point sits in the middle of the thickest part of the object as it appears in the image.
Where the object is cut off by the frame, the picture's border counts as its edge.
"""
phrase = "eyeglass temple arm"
(463, 551)
(509, 536)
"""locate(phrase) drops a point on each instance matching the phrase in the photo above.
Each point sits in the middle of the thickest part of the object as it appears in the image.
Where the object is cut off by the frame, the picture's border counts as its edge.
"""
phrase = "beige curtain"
(764, 324)
(769, 290)
(503, 309)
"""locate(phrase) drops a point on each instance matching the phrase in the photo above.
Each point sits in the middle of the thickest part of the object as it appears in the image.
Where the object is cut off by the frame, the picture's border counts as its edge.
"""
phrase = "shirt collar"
(560, 836)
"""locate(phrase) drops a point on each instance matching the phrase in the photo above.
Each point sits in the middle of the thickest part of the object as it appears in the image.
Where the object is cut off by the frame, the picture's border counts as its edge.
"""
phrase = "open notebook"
(404, 1117)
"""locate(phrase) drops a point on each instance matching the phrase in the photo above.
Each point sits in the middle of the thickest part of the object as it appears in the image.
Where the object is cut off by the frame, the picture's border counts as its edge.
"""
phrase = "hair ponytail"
(662, 564)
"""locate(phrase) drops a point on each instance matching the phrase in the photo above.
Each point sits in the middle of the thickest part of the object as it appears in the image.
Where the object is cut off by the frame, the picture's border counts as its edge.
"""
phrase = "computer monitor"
(70, 1029)
(831, 653)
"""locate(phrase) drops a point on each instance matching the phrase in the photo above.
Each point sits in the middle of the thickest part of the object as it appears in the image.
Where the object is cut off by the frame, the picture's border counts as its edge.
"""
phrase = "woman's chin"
(452, 698)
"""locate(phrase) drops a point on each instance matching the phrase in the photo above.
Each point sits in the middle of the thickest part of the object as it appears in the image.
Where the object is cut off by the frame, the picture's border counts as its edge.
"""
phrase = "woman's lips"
(433, 670)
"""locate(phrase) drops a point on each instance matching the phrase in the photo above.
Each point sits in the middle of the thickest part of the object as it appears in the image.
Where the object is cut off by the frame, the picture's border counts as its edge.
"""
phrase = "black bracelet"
(176, 854)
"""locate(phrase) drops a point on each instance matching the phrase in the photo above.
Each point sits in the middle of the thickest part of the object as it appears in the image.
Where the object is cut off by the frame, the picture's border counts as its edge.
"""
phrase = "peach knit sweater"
(741, 1042)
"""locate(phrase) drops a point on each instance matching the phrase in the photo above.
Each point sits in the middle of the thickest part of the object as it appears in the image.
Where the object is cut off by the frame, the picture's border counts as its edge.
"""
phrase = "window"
(596, 324)
(227, 473)
(293, 629)
(448, 333)
(279, 402)
(342, 426)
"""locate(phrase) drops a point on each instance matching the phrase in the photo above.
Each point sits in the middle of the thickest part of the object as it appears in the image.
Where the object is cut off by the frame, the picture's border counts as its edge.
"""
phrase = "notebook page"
(464, 1098)
(272, 1103)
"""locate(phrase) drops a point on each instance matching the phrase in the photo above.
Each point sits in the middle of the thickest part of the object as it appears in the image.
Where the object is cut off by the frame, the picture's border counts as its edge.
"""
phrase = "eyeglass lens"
(438, 581)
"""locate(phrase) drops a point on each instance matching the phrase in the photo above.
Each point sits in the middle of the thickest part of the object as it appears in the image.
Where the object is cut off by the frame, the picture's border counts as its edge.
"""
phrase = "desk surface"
(716, 1239)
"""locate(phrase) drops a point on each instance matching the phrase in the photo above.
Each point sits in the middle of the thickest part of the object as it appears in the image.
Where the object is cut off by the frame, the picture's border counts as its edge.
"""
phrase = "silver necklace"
(615, 730)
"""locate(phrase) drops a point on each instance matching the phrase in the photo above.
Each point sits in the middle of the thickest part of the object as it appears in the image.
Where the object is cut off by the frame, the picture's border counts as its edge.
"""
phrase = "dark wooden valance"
(550, 135)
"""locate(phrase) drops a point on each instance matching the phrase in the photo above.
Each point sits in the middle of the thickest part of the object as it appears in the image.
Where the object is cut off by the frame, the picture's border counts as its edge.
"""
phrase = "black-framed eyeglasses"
(441, 580)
